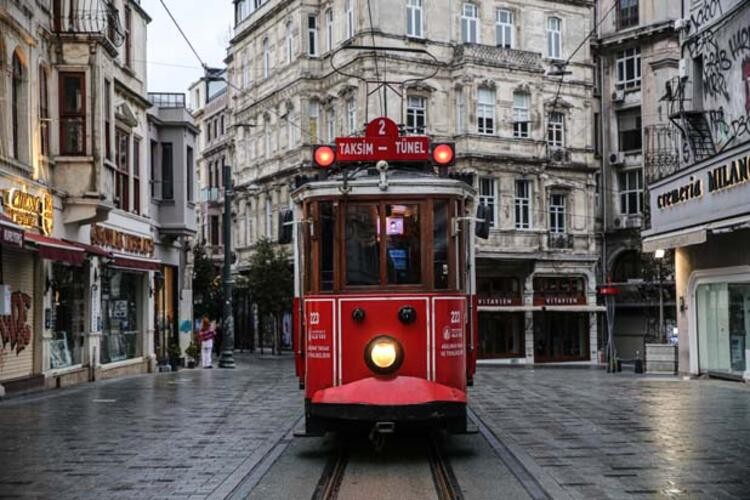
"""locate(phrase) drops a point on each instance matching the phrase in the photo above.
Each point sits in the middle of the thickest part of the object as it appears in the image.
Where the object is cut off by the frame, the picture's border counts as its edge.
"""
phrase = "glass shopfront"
(501, 335)
(723, 314)
(561, 336)
(67, 316)
(121, 303)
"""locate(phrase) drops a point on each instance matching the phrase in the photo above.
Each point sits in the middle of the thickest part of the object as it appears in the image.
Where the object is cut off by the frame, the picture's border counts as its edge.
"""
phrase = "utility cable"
(203, 64)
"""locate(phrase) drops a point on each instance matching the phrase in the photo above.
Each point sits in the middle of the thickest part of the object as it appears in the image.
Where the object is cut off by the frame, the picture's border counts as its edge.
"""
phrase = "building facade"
(79, 284)
(637, 50)
(509, 84)
(699, 206)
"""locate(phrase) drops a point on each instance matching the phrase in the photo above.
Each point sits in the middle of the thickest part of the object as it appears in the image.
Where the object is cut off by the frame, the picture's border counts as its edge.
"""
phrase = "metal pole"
(662, 335)
(226, 360)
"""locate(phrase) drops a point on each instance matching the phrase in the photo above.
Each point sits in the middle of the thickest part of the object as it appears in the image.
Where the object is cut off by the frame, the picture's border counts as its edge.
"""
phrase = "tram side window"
(440, 257)
(327, 227)
(362, 245)
(403, 252)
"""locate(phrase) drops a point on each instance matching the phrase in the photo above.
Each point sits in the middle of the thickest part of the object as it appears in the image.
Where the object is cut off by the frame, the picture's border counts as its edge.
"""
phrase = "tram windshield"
(398, 244)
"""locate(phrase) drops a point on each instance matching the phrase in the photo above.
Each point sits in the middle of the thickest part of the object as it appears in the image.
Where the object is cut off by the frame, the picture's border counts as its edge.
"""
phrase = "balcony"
(211, 195)
(166, 100)
(661, 155)
(94, 18)
(559, 241)
(498, 56)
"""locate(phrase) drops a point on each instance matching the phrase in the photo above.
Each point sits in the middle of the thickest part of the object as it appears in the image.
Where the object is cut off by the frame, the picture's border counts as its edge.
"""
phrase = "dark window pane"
(403, 253)
(440, 260)
(167, 184)
(362, 245)
(327, 232)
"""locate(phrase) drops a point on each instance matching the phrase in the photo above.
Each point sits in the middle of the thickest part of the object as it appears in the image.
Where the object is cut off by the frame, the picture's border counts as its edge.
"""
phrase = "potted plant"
(193, 353)
(175, 354)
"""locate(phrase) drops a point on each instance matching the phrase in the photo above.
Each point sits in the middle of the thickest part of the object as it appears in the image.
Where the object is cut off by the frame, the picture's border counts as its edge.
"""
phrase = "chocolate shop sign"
(117, 240)
(28, 209)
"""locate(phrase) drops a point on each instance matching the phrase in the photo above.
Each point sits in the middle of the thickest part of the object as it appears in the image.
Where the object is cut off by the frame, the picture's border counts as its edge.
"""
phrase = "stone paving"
(599, 435)
(179, 435)
(197, 433)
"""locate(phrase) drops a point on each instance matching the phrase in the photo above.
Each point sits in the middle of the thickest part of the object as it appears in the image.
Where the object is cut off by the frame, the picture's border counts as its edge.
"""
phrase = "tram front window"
(362, 245)
(403, 253)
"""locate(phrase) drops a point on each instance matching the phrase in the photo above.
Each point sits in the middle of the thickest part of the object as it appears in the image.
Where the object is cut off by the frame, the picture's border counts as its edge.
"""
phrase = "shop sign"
(495, 301)
(559, 300)
(11, 236)
(28, 209)
(14, 328)
(117, 240)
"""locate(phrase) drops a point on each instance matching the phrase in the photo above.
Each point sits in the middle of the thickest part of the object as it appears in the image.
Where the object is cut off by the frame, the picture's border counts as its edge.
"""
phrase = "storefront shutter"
(18, 272)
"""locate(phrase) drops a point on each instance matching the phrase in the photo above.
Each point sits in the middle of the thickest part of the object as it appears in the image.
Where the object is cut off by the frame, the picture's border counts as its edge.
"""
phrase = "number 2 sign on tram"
(382, 141)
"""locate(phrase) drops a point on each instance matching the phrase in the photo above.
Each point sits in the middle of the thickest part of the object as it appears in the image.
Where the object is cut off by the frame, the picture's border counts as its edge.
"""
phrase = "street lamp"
(226, 360)
(659, 256)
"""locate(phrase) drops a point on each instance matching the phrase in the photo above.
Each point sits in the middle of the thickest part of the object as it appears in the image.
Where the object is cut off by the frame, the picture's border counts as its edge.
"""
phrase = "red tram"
(385, 323)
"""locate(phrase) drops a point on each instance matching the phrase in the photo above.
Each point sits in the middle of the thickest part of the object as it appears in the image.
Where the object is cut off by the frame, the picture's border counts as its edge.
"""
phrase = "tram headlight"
(384, 355)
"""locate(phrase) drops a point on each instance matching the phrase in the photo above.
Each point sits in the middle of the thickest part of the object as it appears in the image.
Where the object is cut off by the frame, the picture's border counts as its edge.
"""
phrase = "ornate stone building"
(498, 86)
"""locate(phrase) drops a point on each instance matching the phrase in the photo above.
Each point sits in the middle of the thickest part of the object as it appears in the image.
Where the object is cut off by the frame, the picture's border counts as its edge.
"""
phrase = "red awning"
(57, 250)
(11, 234)
(91, 249)
(135, 264)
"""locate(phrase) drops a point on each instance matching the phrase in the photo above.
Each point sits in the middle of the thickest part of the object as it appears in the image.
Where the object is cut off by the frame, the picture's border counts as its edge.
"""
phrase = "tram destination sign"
(382, 141)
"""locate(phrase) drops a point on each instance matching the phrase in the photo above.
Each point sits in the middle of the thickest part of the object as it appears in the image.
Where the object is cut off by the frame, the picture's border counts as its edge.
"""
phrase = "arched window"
(266, 58)
(16, 104)
(43, 111)
(627, 266)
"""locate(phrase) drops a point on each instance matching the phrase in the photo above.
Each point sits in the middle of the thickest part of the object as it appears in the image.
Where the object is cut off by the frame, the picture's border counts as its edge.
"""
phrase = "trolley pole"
(226, 360)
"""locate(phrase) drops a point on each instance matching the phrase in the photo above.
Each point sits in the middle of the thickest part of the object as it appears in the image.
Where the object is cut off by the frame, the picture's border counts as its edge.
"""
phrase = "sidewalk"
(622, 435)
(180, 435)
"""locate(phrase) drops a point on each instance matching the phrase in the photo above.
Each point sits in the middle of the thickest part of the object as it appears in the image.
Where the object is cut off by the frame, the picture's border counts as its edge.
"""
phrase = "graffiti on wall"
(15, 329)
(705, 14)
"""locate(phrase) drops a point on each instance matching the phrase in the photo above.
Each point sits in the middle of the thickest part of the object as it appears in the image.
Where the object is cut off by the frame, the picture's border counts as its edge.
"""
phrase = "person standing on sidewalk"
(206, 336)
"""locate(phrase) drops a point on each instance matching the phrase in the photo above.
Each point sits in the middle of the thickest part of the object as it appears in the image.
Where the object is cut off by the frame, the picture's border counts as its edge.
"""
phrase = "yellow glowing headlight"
(384, 355)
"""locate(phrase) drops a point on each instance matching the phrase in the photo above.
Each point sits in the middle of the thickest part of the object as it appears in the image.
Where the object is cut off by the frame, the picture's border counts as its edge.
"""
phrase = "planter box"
(661, 359)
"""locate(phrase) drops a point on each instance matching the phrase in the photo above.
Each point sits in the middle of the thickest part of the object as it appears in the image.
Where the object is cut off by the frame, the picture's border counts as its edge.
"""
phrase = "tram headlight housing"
(384, 355)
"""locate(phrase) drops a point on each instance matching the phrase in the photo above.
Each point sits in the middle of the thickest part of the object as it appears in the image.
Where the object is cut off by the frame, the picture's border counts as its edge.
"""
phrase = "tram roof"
(400, 183)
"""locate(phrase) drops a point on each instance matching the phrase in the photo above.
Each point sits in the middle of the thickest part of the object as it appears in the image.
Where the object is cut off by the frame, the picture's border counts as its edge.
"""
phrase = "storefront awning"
(135, 263)
(57, 250)
(91, 249)
(11, 234)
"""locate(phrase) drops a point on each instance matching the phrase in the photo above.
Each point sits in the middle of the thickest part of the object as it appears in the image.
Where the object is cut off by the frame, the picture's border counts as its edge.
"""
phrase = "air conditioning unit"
(618, 96)
(616, 159)
(679, 24)
(683, 69)
(633, 222)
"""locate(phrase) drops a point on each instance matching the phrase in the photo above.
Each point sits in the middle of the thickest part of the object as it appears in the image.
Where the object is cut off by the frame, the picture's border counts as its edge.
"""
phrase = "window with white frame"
(557, 208)
(469, 23)
(460, 110)
(504, 28)
(313, 115)
(351, 115)
(523, 204)
(554, 37)
(486, 111)
(521, 115)
(628, 64)
(488, 196)
(331, 125)
(266, 58)
(416, 114)
(248, 224)
(312, 35)
(289, 43)
(329, 29)
(414, 18)
(631, 191)
(556, 130)
(269, 217)
(267, 137)
(349, 12)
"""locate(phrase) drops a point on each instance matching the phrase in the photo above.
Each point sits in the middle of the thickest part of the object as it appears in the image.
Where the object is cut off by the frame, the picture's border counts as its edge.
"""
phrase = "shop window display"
(120, 299)
(723, 312)
(66, 317)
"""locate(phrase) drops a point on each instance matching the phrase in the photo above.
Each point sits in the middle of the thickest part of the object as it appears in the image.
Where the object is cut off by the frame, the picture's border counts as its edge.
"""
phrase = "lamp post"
(659, 256)
(226, 360)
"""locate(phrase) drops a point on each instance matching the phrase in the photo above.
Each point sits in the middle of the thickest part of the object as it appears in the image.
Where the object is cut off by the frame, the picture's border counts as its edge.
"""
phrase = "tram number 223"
(314, 318)
(455, 317)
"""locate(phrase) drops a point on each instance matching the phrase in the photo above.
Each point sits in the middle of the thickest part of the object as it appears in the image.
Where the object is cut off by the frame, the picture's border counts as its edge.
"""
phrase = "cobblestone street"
(199, 433)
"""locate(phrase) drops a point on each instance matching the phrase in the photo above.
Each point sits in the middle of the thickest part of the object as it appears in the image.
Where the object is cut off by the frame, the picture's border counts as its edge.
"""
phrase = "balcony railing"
(499, 56)
(167, 100)
(88, 17)
(661, 157)
(209, 195)
(559, 240)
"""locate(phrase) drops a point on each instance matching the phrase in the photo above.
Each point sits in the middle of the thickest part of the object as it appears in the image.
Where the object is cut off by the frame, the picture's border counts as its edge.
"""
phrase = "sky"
(172, 67)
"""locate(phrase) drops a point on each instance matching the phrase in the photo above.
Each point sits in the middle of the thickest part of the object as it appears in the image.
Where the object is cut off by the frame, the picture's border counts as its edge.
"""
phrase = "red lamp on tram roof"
(443, 154)
(324, 156)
